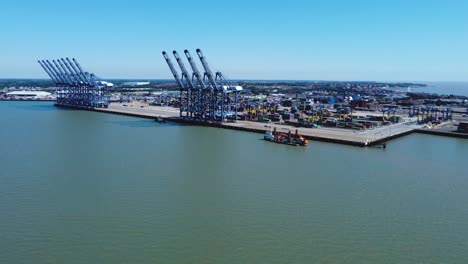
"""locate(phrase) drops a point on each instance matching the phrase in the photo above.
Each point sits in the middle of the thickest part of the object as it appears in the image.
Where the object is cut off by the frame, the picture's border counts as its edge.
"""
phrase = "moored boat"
(285, 138)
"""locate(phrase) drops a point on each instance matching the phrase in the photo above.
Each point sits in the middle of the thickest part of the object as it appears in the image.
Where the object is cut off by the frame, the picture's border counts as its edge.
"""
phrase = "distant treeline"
(43, 83)
(254, 87)
(433, 96)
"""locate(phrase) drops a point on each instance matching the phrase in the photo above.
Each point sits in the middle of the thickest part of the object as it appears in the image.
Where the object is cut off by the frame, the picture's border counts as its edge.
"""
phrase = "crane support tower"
(207, 97)
(75, 87)
(430, 113)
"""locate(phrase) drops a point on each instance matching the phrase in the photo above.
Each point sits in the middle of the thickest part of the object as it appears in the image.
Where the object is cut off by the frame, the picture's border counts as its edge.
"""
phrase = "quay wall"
(333, 139)
(435, 132)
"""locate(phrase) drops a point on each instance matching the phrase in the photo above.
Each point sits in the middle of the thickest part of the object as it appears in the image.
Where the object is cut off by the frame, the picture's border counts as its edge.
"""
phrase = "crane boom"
(173, 70)
(48, 72)
(208, 72)
(53, 71)
(71, 73)
(185, 73)
(57, 72)
(196, 73)
(76, 71)
(57, 77)
(64, 74)
(85, 74)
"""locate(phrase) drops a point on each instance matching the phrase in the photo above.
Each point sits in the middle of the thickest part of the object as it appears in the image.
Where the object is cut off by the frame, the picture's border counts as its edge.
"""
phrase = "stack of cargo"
(288, 116)
(274, 117)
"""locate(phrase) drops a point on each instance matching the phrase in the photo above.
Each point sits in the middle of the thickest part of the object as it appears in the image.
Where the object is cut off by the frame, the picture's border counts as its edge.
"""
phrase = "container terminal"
(360, 113)
(374, 136)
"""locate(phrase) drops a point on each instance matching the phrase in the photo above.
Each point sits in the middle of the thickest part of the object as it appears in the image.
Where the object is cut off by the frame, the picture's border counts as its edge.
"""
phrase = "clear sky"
(388, 40)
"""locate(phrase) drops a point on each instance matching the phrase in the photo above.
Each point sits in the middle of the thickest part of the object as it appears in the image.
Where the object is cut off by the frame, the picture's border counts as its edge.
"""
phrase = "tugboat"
(283, 138)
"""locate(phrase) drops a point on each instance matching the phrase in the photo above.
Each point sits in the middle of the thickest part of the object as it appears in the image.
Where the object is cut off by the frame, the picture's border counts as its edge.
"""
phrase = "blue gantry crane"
(192, 96)
(431, 113)
(208, 97)
(75, 87)
(204, 92)
(183, 89)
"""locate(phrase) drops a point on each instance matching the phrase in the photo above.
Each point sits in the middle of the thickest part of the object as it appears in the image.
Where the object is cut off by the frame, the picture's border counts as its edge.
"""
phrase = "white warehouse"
(30, 94)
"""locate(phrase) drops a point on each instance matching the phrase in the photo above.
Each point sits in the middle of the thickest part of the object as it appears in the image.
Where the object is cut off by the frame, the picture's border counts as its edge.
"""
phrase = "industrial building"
(35, 95)
(135, 84)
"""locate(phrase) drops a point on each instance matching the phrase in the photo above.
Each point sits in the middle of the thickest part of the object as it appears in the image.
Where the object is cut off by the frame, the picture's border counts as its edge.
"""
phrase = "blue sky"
(308, 40)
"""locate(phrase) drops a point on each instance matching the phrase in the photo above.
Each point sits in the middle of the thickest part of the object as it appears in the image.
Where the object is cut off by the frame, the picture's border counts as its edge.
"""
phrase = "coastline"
(330, 135)
(341, 136)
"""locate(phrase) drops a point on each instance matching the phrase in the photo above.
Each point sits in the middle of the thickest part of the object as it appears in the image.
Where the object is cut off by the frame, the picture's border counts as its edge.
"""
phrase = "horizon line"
(260, 80)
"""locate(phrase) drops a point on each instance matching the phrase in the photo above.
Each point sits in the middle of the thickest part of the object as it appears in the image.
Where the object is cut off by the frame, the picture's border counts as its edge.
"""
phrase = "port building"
(29, 94)
(136, 84)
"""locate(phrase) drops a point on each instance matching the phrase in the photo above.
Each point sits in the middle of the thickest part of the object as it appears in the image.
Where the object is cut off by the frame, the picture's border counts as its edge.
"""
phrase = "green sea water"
(85, 187)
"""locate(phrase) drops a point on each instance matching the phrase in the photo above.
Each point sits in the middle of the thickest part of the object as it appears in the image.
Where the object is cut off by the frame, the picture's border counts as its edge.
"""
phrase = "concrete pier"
(445, 132)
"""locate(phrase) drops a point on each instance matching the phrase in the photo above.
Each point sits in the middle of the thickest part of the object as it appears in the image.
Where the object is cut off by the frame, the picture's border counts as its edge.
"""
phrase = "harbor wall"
(442, 133)
(335, 140)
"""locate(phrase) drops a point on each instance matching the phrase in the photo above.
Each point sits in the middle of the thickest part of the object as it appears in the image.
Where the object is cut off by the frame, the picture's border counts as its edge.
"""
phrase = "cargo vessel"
(285, 138)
